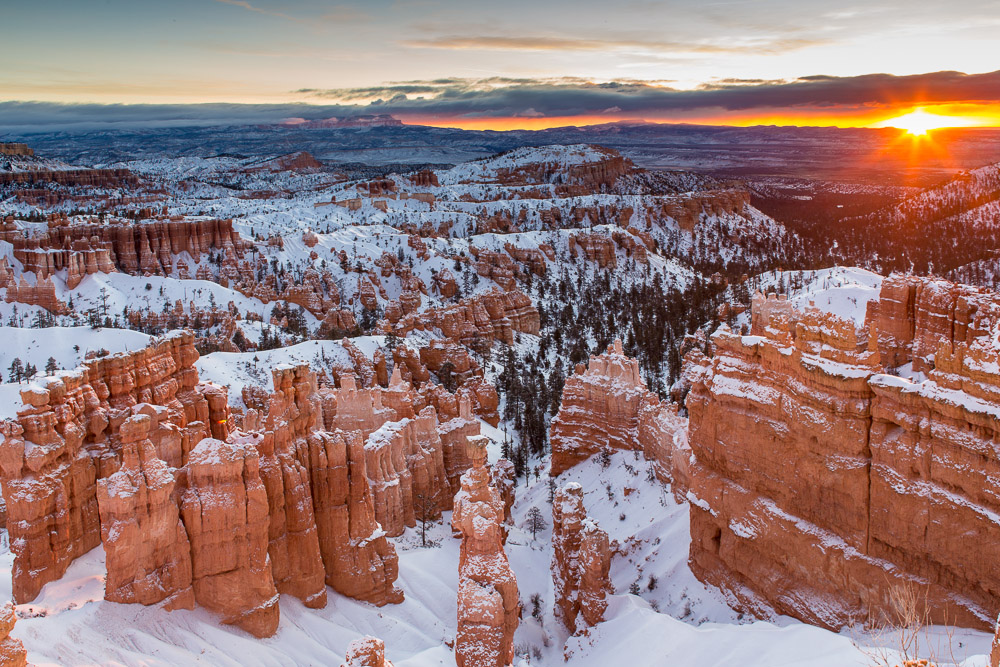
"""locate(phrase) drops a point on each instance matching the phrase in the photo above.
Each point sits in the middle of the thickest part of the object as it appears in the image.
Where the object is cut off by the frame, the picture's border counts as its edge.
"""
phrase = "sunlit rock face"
(607, 405)
(488, 605)
(820, 481)
(133, 451)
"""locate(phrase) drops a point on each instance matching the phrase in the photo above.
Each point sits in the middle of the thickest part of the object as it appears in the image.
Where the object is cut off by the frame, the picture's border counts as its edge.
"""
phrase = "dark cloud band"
(505, 97)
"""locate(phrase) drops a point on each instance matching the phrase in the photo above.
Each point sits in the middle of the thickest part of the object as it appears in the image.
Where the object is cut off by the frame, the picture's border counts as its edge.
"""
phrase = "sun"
(918, 122)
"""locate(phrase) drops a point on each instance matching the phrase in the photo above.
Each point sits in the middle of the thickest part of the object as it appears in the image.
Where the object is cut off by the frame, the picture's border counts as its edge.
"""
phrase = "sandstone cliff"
(820, 481)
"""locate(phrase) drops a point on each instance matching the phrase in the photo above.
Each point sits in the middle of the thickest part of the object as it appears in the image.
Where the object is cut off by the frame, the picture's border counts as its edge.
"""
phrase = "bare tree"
(426, 510)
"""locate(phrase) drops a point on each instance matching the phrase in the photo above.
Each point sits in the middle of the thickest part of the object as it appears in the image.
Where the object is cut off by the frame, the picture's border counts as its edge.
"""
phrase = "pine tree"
(16, 370)
(536, 521)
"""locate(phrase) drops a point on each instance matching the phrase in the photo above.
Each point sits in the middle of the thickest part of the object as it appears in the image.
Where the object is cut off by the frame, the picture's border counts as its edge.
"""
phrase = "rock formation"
(492, 316)
(607, 405)
(360, 562)
(407, 472)
(366, 652)
(12, 653)
(128, 247)
(817, 475)
(67, 436)
(225, 511)
(146, 547)
(293, 542)
(132, 450)
(488, 605)
(581, 561)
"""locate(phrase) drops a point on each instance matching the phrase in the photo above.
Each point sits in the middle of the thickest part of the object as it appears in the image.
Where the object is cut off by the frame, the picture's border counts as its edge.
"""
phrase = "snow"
(67, 345)
(677, 621)
(841, 291)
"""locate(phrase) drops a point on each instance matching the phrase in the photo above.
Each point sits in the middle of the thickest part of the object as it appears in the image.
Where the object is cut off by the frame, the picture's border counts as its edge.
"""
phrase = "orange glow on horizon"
(912, 119)
(919, 122)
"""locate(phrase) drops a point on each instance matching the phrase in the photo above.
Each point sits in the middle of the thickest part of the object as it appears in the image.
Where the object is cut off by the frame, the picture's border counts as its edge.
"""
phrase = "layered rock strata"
(820, 481)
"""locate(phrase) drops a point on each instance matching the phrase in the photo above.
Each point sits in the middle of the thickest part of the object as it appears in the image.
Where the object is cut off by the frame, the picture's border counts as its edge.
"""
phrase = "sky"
(499, 64)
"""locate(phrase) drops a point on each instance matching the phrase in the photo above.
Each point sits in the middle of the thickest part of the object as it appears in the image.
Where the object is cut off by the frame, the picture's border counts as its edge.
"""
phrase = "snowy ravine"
(70, 623)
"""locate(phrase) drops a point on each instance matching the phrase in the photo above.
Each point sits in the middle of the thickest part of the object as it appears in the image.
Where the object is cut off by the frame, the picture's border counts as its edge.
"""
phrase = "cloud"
(32, 117)
(503, 97)
(556, 43)
(247, 6)
(559, 97)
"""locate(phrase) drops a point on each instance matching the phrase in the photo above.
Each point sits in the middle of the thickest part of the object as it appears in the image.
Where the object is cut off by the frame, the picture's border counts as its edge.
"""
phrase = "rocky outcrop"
(293, 542)
(504, 477)
(360, 562)
(67, 436)
(12, 653)
(16, 149)
(225, 511)
(96, 178)
(134, 248)
(322, 515)
(42, 293)
(455, 434)
(493, 316)
(366, 652)
(488, 605)
(608, 405)
(147, 553)
(817, 476)
(352, 409)
(581, 561)
(121, 450)
(406, 470)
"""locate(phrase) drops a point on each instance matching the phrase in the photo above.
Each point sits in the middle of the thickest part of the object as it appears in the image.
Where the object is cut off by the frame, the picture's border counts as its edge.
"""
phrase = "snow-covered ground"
(840, 290)
(71, 624)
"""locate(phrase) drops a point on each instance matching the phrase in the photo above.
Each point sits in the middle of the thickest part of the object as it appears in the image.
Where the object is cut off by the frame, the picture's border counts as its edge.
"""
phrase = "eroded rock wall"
(820, 481)
(606, 405)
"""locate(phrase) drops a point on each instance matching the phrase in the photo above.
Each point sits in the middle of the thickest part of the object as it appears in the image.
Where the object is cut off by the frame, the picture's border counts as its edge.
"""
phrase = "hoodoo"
(581, 561)
(488, 604)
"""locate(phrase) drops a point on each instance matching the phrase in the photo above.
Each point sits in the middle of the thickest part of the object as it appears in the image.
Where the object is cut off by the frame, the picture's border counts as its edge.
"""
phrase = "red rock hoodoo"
(132, 450)
(12, 653)
(581, 561)
(225, 512)
(488, 605)
(608, 405)
(366, 652)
